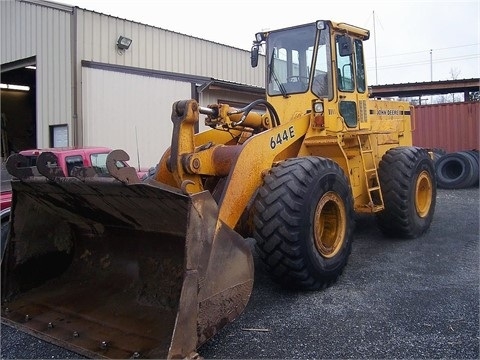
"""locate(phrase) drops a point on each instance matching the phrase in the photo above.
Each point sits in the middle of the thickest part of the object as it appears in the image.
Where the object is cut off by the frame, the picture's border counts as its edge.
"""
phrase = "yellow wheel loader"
(115, 267)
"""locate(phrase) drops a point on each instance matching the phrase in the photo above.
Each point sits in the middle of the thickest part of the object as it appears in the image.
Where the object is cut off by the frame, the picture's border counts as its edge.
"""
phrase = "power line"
(424, 62)
(454, 47)
(426, 51)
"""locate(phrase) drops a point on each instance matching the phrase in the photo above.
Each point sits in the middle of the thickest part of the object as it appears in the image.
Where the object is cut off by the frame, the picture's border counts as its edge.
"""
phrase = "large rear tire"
(407, 179)
(304, 222)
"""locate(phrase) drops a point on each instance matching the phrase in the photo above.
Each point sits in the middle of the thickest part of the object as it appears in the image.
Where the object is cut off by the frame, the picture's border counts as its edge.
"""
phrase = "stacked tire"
(458, 170)
(437, 154)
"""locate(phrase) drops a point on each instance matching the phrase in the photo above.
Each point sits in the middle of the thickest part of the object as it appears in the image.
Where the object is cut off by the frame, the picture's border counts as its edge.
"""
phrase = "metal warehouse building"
(71, 76)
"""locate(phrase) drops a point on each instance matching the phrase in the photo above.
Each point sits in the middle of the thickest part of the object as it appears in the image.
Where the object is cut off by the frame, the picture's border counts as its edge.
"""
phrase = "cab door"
(351, 82)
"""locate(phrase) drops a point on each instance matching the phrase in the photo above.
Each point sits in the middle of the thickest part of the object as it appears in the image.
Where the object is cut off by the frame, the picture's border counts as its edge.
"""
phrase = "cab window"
(322, 83)
(360, 66)
(289, 56)
(345, 76)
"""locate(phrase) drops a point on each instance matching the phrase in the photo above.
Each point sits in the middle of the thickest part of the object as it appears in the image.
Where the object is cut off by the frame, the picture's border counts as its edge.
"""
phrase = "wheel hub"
(423, 194)
(329, 224)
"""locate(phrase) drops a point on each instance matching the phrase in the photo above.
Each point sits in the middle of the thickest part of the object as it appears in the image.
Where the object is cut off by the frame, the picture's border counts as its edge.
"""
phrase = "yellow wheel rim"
(329, 224)
(423, 194)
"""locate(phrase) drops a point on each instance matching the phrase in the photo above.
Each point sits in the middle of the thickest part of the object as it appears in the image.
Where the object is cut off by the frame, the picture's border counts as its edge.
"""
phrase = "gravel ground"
(397, 299)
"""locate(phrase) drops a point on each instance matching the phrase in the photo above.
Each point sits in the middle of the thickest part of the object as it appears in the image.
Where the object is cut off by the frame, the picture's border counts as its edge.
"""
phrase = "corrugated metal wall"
(159, 49)
(31, 30)
(452, 126)
(154, 49)
(130, 112)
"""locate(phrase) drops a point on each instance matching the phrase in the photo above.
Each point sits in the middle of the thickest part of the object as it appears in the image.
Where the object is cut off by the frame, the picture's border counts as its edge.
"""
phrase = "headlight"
(318, 107)
(321, 25)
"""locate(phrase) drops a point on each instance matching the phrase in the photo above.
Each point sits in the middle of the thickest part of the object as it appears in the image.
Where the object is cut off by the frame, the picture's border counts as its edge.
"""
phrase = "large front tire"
(407, 179)
(304, 222)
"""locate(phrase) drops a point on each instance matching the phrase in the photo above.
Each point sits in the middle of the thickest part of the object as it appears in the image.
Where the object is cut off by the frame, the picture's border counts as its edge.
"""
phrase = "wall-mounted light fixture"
(123, 43)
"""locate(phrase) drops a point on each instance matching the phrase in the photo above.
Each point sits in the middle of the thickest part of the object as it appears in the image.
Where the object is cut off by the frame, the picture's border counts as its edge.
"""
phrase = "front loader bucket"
(110, 270)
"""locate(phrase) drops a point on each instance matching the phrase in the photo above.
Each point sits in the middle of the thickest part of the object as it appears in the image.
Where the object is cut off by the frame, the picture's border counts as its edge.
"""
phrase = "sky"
(410, 41)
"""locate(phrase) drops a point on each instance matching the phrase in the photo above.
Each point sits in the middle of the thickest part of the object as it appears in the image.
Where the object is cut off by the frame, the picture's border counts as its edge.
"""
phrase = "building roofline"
(215, 84)
(50, 4)
(70, 9)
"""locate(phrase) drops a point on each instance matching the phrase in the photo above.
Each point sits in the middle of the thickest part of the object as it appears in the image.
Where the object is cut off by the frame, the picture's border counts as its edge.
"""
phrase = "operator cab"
(323, 58)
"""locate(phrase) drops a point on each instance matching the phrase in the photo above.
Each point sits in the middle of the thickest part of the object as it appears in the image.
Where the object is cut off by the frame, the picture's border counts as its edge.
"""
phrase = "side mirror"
(345, 45)
(254, 56)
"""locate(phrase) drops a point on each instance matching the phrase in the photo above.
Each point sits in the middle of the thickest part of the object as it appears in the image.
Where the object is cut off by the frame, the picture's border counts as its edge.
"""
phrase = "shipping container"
(450, 126)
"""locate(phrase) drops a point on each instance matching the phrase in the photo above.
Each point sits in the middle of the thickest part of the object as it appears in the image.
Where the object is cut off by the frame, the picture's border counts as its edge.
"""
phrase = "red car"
(5, 204)
(5, 195)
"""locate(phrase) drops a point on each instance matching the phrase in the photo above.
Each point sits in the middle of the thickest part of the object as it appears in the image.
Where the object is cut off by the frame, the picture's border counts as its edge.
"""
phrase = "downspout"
(76, 103)
(73, 54)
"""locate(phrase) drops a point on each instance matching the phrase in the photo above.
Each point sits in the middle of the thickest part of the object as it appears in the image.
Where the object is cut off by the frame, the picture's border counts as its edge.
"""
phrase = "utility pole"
(431, 66)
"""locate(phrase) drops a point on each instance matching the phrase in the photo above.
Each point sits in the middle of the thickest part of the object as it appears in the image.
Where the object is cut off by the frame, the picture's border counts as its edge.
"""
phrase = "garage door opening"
(18, 104)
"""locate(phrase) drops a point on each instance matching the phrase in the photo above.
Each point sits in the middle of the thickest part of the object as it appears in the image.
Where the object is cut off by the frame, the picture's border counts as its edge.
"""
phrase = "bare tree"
(454, 73)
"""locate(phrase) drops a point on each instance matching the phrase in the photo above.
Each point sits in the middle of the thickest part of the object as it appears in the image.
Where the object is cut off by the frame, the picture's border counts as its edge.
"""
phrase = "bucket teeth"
(17, 166)
(127, 175)
(47, 165)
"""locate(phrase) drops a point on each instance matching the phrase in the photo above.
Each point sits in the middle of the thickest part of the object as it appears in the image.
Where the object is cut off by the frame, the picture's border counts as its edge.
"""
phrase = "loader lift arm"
(188, 165)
